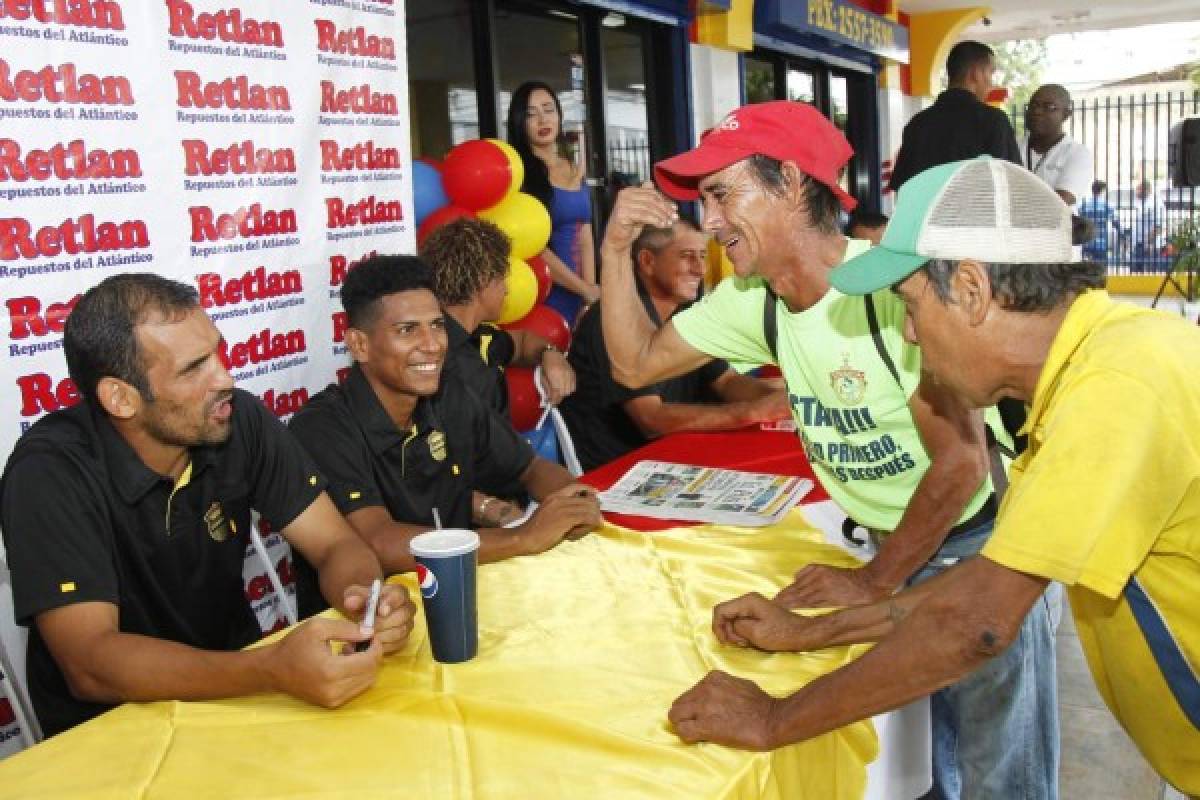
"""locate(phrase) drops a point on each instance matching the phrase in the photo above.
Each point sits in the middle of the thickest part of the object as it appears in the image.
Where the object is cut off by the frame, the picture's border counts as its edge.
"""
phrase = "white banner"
(255, 149)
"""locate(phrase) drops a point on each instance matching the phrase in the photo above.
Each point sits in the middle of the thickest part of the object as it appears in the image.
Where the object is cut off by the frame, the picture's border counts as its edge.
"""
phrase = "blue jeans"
(995, 732)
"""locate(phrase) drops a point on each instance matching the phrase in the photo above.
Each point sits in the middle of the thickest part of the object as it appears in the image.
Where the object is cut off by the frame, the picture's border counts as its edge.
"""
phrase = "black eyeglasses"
(1049, 108)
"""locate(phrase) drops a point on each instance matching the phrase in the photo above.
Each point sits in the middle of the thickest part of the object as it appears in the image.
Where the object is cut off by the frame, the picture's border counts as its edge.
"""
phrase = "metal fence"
(1139, 211)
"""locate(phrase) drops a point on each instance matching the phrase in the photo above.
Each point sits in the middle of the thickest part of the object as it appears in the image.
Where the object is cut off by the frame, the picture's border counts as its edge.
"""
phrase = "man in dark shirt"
(469, 260)
(398, 443)
(607, 419)
(960, 124)
(126, 518)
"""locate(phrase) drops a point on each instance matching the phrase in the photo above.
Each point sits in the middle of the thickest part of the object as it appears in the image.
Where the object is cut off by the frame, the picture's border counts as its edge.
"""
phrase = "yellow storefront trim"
(728, 30)
(930, 37)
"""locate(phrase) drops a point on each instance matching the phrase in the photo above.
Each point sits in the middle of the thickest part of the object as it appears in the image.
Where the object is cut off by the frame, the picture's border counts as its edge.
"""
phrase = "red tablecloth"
(750, 450)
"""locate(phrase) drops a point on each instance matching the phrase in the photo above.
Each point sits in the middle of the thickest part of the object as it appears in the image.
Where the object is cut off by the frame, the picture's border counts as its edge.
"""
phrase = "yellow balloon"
(515, 164)
(522, 291)
(524, 220)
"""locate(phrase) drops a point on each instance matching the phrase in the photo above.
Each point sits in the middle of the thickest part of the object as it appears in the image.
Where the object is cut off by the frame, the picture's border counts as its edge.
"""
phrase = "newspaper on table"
(664, 490)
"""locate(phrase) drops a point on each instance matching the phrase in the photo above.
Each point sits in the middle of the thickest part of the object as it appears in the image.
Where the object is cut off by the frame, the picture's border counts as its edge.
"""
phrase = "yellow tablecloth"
(582, 650)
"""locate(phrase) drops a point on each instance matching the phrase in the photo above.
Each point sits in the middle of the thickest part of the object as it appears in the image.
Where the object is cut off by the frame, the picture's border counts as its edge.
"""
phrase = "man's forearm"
(677, 417)
(936, 505)
(125, 667)
(350, 562)
(627, 327)
(542, 477)
(968, 619)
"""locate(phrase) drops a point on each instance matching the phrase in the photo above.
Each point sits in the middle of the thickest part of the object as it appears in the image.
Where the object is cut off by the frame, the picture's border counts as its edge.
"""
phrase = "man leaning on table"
(126, 519)
(1114, 516)
(398, 441)
(896, 450)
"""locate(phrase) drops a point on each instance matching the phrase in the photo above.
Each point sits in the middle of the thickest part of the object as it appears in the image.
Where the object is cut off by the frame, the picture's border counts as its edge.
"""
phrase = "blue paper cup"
(446, 572)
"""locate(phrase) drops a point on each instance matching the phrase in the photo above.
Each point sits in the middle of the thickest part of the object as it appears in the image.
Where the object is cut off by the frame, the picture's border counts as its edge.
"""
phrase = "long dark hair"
(537, 174)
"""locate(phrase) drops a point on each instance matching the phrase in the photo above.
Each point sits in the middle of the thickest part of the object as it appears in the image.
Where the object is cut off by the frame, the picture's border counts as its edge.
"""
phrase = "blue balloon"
(428, 194)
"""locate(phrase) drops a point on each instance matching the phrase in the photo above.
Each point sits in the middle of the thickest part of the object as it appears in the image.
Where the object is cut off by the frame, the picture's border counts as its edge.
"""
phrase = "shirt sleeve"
(59, 548)
(1004, 141)
(283, 480)
(1076, 176)
(501, 454)
(728, 323)
(1087, 505)
(342, 455)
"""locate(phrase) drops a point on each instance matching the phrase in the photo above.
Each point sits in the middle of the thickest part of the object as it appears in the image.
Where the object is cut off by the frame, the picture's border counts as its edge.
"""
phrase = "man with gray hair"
(607, 419)
(1111, 508)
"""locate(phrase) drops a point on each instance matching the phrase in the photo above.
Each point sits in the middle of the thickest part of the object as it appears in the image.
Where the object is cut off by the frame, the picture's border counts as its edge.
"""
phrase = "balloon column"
(482, 178)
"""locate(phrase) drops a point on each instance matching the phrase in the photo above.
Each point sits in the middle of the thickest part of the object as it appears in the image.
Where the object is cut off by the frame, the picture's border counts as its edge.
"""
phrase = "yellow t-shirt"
(1107, 501)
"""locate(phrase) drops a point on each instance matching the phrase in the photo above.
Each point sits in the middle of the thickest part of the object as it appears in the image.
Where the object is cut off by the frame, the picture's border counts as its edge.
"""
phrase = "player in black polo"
(469, 261)
(606, 419)
(397, 442)
(126, 520)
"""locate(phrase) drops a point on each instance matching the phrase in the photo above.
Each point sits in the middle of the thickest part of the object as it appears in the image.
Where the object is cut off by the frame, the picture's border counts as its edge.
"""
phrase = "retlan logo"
(243, 223)
(364, 155)
(357, 100)
(71, 161)
(339, 265)
(283, 403)
(368, 211)
(226, 25)
(259, 586)
(237, 159)
(63, 84)
(257, 284)
(27, 318)
(339, 326)
(236, 93)
(40, 393)
(18, 239)
(353, 41)
(103, 14)
(262, 346)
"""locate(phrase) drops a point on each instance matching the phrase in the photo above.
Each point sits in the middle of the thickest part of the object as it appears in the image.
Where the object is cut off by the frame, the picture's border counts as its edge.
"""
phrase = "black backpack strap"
(771, 323)
(884, 355)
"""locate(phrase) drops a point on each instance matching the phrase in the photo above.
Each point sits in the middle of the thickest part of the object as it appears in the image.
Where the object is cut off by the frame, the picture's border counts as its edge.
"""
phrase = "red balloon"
(524, 402)
(439, 218)
(546, 323)
(541, 271)
(477, 174)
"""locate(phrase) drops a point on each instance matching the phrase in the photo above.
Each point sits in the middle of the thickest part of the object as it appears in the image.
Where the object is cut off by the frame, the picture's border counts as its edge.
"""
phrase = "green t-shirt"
(853, 418)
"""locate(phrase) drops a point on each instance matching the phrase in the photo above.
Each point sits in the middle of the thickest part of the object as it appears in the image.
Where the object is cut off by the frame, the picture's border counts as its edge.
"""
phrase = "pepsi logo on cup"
(428, 581)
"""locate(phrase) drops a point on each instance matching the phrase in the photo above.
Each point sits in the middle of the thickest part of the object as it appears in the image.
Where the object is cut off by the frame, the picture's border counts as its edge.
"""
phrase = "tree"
(1019, 67)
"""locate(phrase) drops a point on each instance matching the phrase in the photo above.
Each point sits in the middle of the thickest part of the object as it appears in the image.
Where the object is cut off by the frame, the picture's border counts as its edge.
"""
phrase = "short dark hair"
(822, 204)
(99, 340)
(464, 256)
(655, 239)
(376, 278)
(964, 57)
(1024, 287)
(1099, 187)
(866, 219)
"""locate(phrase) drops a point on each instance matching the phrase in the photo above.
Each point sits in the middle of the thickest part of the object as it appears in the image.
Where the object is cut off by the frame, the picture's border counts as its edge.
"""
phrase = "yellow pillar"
(728, 30)
(889, 76)
(929, 40)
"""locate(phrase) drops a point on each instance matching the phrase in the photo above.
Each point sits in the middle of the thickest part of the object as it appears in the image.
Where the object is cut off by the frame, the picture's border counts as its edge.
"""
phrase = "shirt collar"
(456, 334)
(382, 433)
(957, 95)
(133, 479)
(1081, 319)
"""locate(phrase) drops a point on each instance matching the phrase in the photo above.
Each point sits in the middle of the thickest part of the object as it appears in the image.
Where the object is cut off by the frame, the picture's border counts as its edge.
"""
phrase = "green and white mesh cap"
(983, 209)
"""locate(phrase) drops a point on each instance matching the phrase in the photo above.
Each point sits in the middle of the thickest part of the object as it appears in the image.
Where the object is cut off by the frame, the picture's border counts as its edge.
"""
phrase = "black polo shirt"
(956, 127)
(86, 520)
(479, 358)
(455, 444)
(600, 428)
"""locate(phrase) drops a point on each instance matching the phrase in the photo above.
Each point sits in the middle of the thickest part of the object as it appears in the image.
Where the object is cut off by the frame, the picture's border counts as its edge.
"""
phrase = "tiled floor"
(1099, 762)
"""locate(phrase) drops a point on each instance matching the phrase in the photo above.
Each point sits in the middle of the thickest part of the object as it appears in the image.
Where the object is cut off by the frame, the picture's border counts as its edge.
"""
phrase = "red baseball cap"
(782, 129)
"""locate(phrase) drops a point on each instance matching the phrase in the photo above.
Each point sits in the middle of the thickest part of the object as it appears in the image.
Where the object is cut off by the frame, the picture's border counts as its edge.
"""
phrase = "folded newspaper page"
(664, 490)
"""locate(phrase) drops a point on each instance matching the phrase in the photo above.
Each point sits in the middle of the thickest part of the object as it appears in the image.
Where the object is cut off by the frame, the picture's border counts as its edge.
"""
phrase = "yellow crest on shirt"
(848, 383)
(216, 522)
(437, 445)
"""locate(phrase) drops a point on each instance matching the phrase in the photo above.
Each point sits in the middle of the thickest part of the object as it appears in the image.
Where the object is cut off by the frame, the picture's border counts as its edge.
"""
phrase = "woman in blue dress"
(535, 132)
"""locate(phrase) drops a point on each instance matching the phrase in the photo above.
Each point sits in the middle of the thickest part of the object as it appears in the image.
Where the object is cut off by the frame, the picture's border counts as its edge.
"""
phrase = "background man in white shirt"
(1063, 163)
